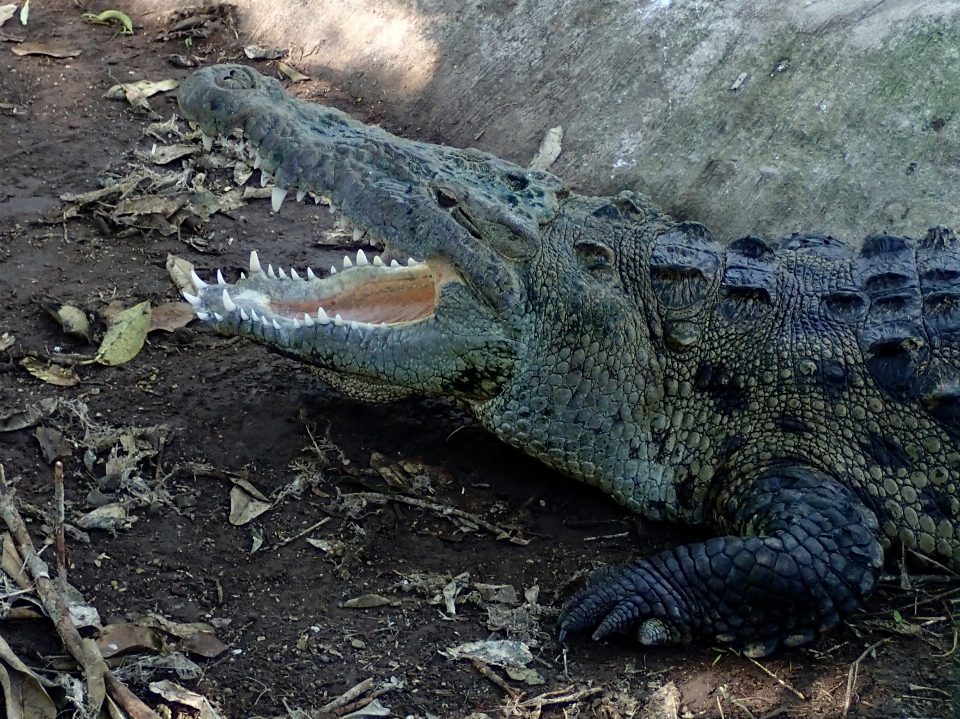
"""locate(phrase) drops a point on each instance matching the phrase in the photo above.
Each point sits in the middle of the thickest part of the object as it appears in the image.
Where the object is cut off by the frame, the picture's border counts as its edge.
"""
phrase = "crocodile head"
(497, 286)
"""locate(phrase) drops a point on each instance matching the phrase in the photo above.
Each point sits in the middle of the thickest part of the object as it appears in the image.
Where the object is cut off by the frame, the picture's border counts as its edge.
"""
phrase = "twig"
(349, 695)
(545, 700)
(440, 509)
(853, 673)
(62, 557)
(376, 694)
(496, 679)
(782, 683)
(85, 651)
(305, 532)
(127, 700)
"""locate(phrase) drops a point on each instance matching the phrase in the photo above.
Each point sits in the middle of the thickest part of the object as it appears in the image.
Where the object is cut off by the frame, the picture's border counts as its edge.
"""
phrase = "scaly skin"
(799, 398)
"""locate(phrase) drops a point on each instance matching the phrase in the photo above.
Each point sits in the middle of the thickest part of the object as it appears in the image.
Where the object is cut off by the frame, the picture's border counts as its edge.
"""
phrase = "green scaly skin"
(800, 398)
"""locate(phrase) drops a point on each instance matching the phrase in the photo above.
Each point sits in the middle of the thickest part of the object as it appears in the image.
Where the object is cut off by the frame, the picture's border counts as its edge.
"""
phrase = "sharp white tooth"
(377, 262)
(263, 321)
(192, 299)
(243, 315)
(243, 275)
(333, 208)
(241, 146)
(203, 316)
(228, 304)
(384, 326)
(333, 270)
(207, 141)
(361, 259)
(294, 275)
(368, 325)
(254, 263)
(256, 161)
(270, 273)
(322, 317)
(338, 321)
(197, 282)
(310, 275)
(357, 234)
(346, 262)
(296, 323)
(394, 263)
(316, 199)
(308, 320)
(220, 280)
(264, 178)
(275, 325)
(277, 198)
(354, 325)
(412, 262)
(218, 316)
(283, 275)
(301, 195)
(253, 315)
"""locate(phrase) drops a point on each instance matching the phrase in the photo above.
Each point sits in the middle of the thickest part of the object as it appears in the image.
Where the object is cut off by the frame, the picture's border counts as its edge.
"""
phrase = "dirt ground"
(233, 409)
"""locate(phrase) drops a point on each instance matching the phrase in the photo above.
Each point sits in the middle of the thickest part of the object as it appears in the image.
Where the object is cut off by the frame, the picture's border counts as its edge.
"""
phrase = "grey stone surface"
(842, 120)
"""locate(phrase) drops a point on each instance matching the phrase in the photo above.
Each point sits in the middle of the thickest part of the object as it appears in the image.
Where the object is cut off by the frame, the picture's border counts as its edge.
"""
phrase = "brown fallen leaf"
(291, 72)
(73, 320)
(51, 373)
(41, 48)
(367, 601)
(119, 638)
(53, 444)
(171, 316)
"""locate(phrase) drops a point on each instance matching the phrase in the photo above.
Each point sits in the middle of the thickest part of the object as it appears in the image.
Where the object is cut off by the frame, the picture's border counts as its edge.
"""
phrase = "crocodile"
(799, 397)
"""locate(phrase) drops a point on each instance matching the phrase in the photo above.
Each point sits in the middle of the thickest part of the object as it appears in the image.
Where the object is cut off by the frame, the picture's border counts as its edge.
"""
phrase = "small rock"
(96, 498)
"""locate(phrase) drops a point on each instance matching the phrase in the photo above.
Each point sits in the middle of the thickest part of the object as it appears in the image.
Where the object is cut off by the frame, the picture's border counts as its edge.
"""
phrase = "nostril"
(445, 199)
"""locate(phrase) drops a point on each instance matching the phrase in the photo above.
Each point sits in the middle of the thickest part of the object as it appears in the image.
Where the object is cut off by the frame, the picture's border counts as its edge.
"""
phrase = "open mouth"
(362, 294)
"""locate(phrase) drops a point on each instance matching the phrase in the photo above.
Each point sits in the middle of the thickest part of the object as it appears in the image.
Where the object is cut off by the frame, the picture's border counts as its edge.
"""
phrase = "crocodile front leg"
(806, 556)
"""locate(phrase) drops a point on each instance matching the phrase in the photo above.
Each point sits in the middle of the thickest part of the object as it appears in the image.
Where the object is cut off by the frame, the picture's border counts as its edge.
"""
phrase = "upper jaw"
(405, 194)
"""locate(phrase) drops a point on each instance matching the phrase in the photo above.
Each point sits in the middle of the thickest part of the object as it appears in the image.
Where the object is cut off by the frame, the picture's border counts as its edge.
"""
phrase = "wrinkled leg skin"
(804, 553)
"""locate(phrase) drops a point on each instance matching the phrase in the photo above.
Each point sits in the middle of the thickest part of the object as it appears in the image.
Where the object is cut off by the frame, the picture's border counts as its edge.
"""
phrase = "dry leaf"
(176, 693)
(118, 638)
(7, 341)
(294, 74)
(256, 52)
(244, 508)
(171, 316)
(179, 270)
(126, 336)
(51, 374)
(146, 88)
(11, 563)
(74, 321)
(549, 149)
(110, 517)
(53, 444)
(168, 153)
(110, 17)
(22, 418)
(7, 12)
(367, 601)
(42, 48)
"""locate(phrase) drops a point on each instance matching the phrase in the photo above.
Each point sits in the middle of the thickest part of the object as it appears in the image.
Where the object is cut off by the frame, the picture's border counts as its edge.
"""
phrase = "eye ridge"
(595, 255)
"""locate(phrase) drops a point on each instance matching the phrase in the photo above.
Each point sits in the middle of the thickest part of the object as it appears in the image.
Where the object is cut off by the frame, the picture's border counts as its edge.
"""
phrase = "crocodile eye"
(595, 256)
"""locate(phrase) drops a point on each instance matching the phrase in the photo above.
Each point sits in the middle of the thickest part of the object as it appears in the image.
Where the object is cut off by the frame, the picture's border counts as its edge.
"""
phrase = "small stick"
(544, 700)
(442, 510)
(492, 676)
(349, 695)
(782, 683)
(127, 700)
(306, 531)
(85, 651)
(376, 694)
(63, 558)
(852, 676)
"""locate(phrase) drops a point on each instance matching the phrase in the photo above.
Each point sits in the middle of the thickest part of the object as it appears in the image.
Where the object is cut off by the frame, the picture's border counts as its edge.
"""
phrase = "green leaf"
(126, 336)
